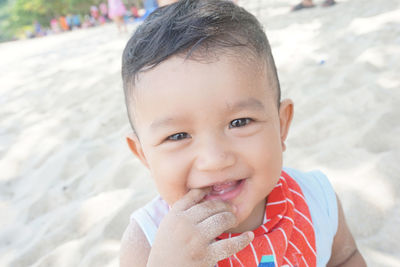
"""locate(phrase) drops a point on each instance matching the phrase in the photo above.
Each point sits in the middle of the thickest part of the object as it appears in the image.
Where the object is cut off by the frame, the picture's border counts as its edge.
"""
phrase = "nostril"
(212, 161)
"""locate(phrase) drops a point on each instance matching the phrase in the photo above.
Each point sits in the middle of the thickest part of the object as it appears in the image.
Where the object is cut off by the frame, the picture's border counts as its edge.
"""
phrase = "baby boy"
(203, 99)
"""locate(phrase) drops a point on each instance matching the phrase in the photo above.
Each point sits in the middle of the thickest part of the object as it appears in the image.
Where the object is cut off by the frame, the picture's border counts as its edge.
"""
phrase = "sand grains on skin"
(68, 183)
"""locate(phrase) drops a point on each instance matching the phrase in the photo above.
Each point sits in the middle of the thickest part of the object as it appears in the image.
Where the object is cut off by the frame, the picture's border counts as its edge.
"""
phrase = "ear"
(285, 118)
(136, 147)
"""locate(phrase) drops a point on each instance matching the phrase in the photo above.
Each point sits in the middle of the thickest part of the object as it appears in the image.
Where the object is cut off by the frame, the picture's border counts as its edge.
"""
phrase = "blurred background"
(20, 19)
(68, 182)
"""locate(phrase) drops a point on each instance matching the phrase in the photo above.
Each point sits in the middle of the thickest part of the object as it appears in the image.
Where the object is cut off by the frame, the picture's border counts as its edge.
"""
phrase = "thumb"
(227, 247)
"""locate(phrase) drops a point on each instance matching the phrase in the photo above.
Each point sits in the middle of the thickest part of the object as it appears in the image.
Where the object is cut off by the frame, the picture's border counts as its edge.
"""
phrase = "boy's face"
(211, 125)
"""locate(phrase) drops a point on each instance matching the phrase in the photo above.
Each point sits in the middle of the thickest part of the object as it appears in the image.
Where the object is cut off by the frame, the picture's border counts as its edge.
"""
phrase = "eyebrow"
(162, 123)
(251, 103)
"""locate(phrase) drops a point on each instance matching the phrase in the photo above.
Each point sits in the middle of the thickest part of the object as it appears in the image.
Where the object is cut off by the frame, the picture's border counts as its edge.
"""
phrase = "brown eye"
(178, 136)
(239, 122)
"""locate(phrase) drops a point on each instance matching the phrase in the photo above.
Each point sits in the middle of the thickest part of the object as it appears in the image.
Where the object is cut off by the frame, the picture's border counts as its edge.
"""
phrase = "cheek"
(169, 175)
(264, 155)
(263, 149)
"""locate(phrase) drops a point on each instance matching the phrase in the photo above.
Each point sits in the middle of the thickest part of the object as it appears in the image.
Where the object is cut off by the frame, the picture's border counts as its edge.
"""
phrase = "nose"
(214, 154)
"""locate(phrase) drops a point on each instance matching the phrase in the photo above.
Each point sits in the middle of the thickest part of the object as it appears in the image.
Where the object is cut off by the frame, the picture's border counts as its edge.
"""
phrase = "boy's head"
(196, 30)
(203, 97)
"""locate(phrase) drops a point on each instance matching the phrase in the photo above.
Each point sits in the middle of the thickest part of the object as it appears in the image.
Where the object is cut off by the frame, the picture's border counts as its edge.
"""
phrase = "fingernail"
(251, 235)
(234, 209)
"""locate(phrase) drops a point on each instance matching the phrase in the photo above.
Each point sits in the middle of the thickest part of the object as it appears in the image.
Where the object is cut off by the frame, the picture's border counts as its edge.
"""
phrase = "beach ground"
(68, 182)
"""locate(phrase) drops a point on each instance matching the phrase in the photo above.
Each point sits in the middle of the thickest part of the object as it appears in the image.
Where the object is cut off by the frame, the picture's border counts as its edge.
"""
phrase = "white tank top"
(317, 190)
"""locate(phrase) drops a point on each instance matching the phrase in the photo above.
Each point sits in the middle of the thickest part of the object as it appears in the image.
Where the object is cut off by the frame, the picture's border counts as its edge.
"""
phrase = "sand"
(68, 182)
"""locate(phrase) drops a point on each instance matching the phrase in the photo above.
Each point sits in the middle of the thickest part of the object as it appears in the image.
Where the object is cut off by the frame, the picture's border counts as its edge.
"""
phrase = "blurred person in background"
(94, 12)
(167, 2)
(63, 23)
(68, 18)
(134, 12)
(38, 29)
(116, 12)
(54, 25)
(76, 21)
(309, 4)
(104, 11)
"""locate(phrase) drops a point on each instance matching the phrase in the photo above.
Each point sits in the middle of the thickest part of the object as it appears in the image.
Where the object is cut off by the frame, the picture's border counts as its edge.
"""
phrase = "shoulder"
(322, 203)
(315, 179)
(149, 217)
(135, 248)
(318, 192)
(140, 233)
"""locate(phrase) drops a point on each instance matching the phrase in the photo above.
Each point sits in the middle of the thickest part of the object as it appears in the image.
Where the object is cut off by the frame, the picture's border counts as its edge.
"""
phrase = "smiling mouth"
(226, 190)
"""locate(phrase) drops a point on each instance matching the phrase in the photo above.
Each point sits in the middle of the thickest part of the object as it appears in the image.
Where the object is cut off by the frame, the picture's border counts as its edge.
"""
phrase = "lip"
(228, 194)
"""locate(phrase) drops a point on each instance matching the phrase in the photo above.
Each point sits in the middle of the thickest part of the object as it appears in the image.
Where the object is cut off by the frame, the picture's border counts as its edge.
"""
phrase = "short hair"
(196, 29)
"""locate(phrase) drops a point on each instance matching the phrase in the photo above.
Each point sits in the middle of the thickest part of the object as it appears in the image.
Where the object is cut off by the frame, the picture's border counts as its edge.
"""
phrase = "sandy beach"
(68, 181)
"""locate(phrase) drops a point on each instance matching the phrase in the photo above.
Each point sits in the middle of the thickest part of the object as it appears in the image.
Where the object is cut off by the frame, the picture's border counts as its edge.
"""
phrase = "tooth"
(221, 192)
(223, 186)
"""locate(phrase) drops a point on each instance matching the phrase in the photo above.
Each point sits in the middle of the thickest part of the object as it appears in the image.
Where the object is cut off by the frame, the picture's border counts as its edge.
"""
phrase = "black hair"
(196, 29)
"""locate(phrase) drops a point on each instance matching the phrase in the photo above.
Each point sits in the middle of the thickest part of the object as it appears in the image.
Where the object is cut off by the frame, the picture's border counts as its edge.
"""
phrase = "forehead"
(177, 82)
(181, 68)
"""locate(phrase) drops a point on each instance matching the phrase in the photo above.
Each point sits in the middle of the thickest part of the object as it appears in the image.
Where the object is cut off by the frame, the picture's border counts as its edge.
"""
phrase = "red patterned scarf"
(287, 236)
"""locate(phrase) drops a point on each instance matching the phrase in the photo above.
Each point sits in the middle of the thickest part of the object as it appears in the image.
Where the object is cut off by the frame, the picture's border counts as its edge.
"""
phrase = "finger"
(224, 248)
(192, 197)
(216, 224)
(205, 209)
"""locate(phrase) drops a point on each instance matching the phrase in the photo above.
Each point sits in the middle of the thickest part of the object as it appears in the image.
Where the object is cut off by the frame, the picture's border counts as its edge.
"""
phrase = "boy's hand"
(186, 236)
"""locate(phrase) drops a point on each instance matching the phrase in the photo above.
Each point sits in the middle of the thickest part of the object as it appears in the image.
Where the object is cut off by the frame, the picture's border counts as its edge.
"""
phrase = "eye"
(239, 122)
(178, 136)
